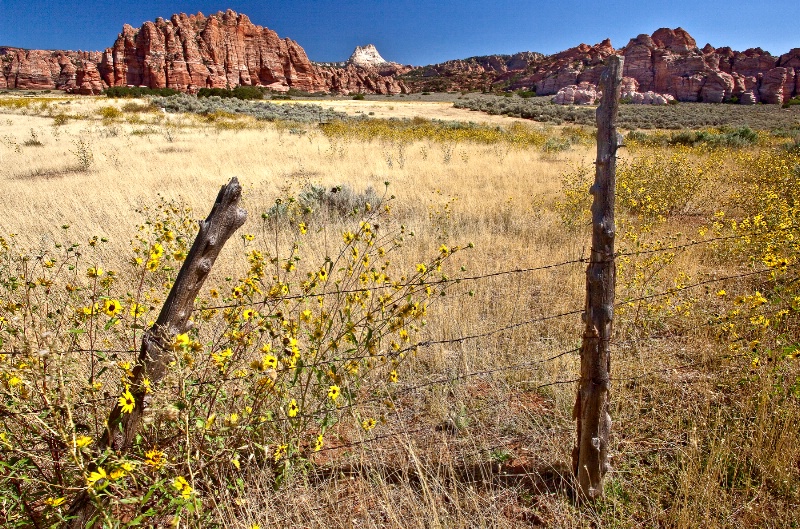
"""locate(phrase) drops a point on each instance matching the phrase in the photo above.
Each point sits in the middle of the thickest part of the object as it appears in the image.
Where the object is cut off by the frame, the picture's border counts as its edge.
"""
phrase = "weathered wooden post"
(590, 455)
(156, 351)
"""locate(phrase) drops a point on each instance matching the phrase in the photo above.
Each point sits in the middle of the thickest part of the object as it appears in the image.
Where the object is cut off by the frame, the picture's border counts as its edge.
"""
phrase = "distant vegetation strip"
(304, 113)
(679, 116)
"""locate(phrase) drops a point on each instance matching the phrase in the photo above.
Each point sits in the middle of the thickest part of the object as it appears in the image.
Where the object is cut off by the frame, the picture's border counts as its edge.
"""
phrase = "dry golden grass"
(488, 451)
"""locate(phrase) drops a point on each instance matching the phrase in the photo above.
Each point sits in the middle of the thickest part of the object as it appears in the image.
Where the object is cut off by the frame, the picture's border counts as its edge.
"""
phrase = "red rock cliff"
(188, 53)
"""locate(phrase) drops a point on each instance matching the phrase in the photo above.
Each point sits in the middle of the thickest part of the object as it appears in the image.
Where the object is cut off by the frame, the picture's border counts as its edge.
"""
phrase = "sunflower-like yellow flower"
(126, 401)
(55, 502)
(82, 441)
(334, 392)
(137, 310)
(111, 307)
(97, 476)
(182, 486)
(154, 458)
(368, 424)
(293, 408)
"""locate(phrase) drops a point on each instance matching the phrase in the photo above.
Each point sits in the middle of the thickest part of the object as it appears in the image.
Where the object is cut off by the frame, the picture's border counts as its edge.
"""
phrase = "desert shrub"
(240, 92)
(83, 154)
(358, 97)
(793, 146)
(650, 187)
(339, 200)
(138, 92)
(446, 132)
(740, 137)
(677, 116)
(294, 92)
(109, 113)
(135, 108)
(793, 101)
(556, 145)
(33, 140)
(259, 110)
(60, 119)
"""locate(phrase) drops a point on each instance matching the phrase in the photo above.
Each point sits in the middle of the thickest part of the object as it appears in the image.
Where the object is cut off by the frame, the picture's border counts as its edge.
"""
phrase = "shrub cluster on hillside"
(138, 91)
(264, 111)
(240, 92)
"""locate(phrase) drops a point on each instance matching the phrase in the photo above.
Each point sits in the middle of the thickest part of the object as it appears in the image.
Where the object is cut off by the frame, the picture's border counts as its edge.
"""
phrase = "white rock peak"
(366, 56)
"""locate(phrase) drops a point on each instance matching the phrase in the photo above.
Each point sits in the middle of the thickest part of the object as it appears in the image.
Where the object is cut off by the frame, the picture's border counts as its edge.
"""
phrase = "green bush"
(240, 92)
(793, 101)
(214, 106)
(138, 91)
(358, 97)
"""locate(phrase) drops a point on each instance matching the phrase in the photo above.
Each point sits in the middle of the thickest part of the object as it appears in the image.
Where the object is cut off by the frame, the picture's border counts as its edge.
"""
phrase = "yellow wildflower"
(126, 401)
(293, 408)
(154, 458)
(82, 441)
(111, 307)
(96, 476)
(137, 310)
(182, 486)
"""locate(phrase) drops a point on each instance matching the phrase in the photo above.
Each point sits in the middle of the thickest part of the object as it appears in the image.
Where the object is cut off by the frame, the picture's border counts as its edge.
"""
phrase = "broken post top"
(225, 218)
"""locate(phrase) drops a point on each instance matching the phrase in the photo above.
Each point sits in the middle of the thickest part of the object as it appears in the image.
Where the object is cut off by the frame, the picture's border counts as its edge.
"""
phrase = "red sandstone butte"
(188, 52)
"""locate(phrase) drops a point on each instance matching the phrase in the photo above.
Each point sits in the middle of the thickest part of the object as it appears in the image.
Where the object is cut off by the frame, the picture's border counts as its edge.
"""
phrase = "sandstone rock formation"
(586, 93)
(188, 53)
(48, 70)
(366, 57)
(666, 64)
(583, 94)
(227, 50)
(474, 73)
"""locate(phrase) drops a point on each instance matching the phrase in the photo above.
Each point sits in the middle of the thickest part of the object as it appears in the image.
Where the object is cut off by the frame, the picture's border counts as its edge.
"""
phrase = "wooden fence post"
(590, 455)
(156, 351)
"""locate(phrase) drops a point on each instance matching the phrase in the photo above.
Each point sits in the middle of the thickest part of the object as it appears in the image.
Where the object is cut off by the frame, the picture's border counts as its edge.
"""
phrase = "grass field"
(472, 426)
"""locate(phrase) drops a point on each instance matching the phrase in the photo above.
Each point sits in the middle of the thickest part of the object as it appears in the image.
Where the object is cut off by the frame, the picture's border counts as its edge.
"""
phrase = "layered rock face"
(475, 73)
(47, 70)
(227, 50)
(188, 53)
(668, 64)
(364, 72)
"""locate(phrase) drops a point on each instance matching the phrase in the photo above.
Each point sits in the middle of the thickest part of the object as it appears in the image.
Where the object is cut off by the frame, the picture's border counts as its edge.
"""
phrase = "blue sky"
(419, 32)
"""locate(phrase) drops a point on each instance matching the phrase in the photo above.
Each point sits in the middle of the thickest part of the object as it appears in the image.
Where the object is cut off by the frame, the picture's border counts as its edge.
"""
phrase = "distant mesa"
(225, 50)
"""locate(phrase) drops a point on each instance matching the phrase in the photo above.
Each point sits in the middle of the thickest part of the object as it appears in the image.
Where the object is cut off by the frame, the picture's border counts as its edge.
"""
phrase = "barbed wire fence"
(408, 423)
